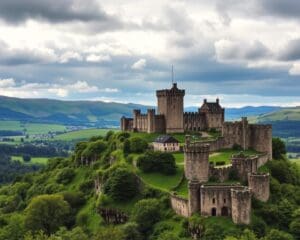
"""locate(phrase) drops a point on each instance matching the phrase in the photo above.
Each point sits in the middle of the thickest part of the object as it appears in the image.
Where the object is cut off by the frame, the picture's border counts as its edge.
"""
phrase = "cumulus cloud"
(291, 51)
(236, 51)
(139, 65)
(15, 11)
(98, 58)
(70, 55)
(8, 82)
(295, 69)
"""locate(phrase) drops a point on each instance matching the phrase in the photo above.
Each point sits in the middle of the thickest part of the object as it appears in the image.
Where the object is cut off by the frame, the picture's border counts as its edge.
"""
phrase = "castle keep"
(171, 118)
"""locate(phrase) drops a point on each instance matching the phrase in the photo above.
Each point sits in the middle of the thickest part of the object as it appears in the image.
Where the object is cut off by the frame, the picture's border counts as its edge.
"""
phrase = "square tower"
(170, 104)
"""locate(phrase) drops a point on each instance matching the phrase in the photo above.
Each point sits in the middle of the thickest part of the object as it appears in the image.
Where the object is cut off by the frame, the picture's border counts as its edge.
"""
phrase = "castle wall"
(214, 120)
(179, 205)
(262, 159)
(244, 165)
(260, 186)
(220, 173)
(241, 205)
(160, 125)
(194, 121)
(261, 138)
(215, 145)
(196, 164)
(126, 124)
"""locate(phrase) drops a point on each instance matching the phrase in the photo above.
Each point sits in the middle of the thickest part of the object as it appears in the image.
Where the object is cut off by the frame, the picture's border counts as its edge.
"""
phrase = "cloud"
(15, 11)
(8, 82)
(295, 69)
(139, 65)
(70, 55)
(98, 58)
(291, 51)
(227, 50)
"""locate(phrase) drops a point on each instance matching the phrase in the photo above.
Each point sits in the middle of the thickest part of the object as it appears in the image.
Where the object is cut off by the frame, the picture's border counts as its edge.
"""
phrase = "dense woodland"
(97, 194)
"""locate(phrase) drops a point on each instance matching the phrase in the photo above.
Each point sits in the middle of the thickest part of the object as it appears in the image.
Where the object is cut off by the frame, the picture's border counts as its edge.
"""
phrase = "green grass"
(81, 134)
(225, 222)
(225, 155)
(179, 158)
(182, 189)
(297, 161)
(34, 160)
(161, 181)
(31, 128)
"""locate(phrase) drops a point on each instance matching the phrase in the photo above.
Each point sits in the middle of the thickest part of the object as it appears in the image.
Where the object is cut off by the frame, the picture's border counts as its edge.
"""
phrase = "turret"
(241, 205)
(259, 184)
(194, 197)
(196, 164)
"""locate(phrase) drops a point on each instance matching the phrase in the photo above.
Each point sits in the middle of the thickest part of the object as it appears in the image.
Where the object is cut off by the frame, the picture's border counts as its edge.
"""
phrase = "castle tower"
(194, 197)
(136, 114)
(151, 120)
(241, 205)
(244, 164)
(259, 185)
(170, 104)
(196, 164)
(245, 136)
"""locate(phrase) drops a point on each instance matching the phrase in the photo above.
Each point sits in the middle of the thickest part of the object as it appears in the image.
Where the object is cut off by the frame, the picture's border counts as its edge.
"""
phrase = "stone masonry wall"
(260, 186)
(179, 205)
(241, 205)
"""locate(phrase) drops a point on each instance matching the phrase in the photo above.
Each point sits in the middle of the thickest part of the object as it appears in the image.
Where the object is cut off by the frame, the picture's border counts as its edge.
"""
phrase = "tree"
(131, 232)
(295, 224)
(275, 234)
(110, 232)
(146, 213)
(65, 175)
(46, 213)
(94, 150)
(26, 158)
(278, 148)
(121, 185)
(137, 145)
(168, 235)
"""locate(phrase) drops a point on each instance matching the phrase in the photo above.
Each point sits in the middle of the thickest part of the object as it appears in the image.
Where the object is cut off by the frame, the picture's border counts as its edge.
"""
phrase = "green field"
(81, 134)
(31, 128)
(34, 160)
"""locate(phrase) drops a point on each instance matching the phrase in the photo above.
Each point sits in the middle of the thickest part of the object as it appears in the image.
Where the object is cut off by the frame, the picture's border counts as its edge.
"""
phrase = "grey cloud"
(16, 11)
(235, 51)
(291, 51)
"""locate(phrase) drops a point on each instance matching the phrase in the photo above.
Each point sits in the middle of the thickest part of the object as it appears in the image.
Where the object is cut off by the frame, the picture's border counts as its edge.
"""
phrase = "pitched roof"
(166, 139)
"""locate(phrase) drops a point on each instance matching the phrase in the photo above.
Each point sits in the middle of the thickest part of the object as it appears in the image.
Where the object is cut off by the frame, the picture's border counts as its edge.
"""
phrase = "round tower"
(259, 185)
(194, 197)
(196, 164)
(241, 205)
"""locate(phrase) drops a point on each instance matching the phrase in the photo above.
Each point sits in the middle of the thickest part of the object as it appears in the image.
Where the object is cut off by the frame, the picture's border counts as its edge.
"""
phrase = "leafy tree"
(168, 235)
(26, 158)
(65, 175)
(278, 148)
(146, 213)
(94, 150)
(295, 224)
(126, 146)
(157, 162)
(121, 185)
(46, 213)
(131, 232)
(137, 145)
(275, 234)
(110, 232)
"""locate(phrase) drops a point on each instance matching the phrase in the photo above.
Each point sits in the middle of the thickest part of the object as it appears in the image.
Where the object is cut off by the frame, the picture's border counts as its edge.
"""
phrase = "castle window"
(214, 201)
(224, 200)
(214, 212)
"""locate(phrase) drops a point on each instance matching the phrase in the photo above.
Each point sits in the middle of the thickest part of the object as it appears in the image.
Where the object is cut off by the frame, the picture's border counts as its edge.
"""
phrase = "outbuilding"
(166, 143)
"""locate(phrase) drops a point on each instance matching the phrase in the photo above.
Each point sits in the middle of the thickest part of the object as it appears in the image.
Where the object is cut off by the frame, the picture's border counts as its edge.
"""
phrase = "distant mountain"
(88, 113)
(283, 114)
(102, 114)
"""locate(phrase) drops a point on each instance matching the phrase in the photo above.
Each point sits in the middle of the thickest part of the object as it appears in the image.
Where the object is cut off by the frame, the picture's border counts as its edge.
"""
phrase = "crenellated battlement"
(174, 91)
(259, 183)
(196, 147)
(242, 193)
(261, 126)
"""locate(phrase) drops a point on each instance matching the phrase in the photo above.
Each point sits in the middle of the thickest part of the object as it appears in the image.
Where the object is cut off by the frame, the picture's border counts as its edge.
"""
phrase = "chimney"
(218, 100)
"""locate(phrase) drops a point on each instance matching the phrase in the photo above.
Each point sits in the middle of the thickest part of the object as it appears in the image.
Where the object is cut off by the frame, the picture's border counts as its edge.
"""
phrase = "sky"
(245, 52)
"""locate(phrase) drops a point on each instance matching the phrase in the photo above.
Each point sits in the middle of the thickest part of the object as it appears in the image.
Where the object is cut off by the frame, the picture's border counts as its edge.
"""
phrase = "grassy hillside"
(285, 114)
(66, 112)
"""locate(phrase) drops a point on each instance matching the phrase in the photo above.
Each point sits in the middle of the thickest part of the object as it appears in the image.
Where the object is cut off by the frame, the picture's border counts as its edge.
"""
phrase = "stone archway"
(224, 211)
(214, 212)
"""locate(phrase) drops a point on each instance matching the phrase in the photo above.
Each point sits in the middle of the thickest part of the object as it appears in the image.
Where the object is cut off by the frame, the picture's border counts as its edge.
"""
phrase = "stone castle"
(220, 199)
(205, 197)
(171, 117)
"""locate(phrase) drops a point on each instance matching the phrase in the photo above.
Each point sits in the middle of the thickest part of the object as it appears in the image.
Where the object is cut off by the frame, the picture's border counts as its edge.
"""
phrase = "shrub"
(26, 158)
(86, 186)
(237, 147)
(46, 213)
(220, 163)
(137, 145)
(278, 148)
(233, 174)
(157, 162)
(121, 185)
(146, 213)
(65, 175)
